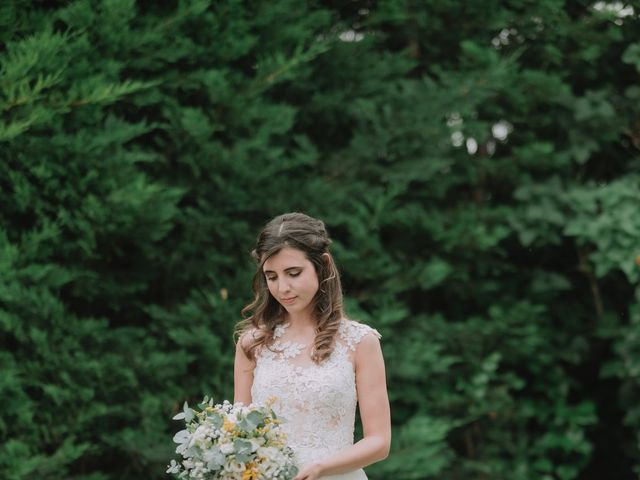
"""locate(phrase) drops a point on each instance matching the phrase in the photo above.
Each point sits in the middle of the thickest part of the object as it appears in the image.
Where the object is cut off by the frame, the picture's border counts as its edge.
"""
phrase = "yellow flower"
(228, 425)
(250, 472)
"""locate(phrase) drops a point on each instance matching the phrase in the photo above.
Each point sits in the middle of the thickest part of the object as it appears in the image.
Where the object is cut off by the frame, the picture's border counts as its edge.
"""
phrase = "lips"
(287, 301)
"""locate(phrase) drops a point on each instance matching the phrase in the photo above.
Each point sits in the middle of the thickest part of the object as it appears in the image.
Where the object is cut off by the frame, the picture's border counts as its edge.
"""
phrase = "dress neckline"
(288, 348)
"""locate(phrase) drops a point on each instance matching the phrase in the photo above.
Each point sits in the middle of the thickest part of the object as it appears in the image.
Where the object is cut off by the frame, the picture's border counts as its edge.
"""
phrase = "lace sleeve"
(247, 338)
(248, 335)
(352, 332)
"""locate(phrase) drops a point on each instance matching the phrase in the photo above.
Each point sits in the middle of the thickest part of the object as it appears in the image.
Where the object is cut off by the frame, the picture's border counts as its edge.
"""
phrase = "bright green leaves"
(29, 70)
(421, 452)
(434, 273)
(37, 82)
(600, 217)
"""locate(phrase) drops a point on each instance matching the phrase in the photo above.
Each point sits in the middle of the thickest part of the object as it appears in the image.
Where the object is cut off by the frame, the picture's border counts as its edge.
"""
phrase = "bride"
(297, 349)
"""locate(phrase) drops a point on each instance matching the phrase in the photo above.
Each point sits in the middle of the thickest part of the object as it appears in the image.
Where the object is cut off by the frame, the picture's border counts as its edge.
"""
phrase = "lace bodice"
(317, 402)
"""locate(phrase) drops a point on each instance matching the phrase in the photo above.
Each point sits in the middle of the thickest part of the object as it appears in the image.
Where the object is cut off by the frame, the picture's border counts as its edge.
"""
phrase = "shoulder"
(247, 336)
(247, 339)
(354, 333)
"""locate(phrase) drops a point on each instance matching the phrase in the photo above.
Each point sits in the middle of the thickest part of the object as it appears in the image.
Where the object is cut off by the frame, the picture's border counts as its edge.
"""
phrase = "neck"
(301, 321)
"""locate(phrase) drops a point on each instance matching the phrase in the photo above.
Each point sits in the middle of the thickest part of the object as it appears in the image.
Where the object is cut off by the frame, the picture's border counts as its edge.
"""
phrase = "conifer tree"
(475, 163)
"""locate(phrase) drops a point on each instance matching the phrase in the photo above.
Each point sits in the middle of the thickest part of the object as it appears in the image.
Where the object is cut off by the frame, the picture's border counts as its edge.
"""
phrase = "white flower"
(173, 467)
(198, 436)
(226, 448)
(268, 452)
(181, 437)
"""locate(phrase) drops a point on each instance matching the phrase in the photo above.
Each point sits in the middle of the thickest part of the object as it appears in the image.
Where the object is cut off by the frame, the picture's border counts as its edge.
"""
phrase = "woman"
(297, 347)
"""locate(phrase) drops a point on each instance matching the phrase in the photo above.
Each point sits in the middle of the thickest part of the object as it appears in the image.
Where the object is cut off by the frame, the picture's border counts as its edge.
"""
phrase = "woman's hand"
(310, 472)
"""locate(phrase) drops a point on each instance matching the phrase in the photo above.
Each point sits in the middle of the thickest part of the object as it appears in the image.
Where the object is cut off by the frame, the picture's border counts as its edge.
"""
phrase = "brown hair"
(264, 314)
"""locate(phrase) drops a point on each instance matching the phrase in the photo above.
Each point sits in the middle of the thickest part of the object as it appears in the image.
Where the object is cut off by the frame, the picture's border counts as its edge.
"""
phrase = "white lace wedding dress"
(317, 402)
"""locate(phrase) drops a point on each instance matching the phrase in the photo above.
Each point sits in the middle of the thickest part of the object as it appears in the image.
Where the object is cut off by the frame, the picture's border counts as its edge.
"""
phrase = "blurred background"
(477, 164)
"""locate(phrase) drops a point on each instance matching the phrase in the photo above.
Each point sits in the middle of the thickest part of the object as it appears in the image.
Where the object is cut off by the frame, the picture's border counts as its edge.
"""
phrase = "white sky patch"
(351, 36)
(491, 147)
(618, 8)
(472, 145)
(503, 38)
(454, 122)
(457, 138)
(501, 130)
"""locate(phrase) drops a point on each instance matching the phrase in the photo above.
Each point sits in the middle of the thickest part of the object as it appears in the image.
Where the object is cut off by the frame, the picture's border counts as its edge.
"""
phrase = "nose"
(283, 286)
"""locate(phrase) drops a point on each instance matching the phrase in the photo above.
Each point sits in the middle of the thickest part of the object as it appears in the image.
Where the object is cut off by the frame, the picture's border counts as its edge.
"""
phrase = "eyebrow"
(286, 269)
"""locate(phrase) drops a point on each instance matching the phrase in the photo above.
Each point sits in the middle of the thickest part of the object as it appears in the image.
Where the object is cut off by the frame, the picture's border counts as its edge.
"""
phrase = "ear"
(327, 258)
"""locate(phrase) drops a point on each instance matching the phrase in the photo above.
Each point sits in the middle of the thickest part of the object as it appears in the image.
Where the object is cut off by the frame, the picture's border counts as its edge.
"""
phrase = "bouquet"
(232, 442)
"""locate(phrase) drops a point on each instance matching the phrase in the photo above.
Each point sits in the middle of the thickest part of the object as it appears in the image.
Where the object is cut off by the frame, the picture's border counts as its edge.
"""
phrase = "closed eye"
(290, 272)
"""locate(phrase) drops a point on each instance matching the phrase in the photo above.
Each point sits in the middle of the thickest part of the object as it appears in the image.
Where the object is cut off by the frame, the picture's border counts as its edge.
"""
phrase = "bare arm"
(374, 412)
(243, 368)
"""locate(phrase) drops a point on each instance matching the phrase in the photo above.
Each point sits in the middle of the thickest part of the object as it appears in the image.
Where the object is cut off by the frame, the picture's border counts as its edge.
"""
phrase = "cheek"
(312, 284)
(271, 288)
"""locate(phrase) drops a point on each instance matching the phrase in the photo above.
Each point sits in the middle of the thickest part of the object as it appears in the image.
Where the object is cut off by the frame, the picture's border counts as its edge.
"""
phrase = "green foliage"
(475, 162)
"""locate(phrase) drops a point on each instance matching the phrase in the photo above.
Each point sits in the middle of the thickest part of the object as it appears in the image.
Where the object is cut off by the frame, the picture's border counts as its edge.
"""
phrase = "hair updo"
(264, 314)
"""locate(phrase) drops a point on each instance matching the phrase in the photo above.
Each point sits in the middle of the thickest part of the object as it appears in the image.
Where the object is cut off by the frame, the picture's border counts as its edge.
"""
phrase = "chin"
(295, 308)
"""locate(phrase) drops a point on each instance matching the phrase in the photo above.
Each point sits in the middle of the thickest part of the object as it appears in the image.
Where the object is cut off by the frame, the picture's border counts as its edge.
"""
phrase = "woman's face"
(292, 280)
